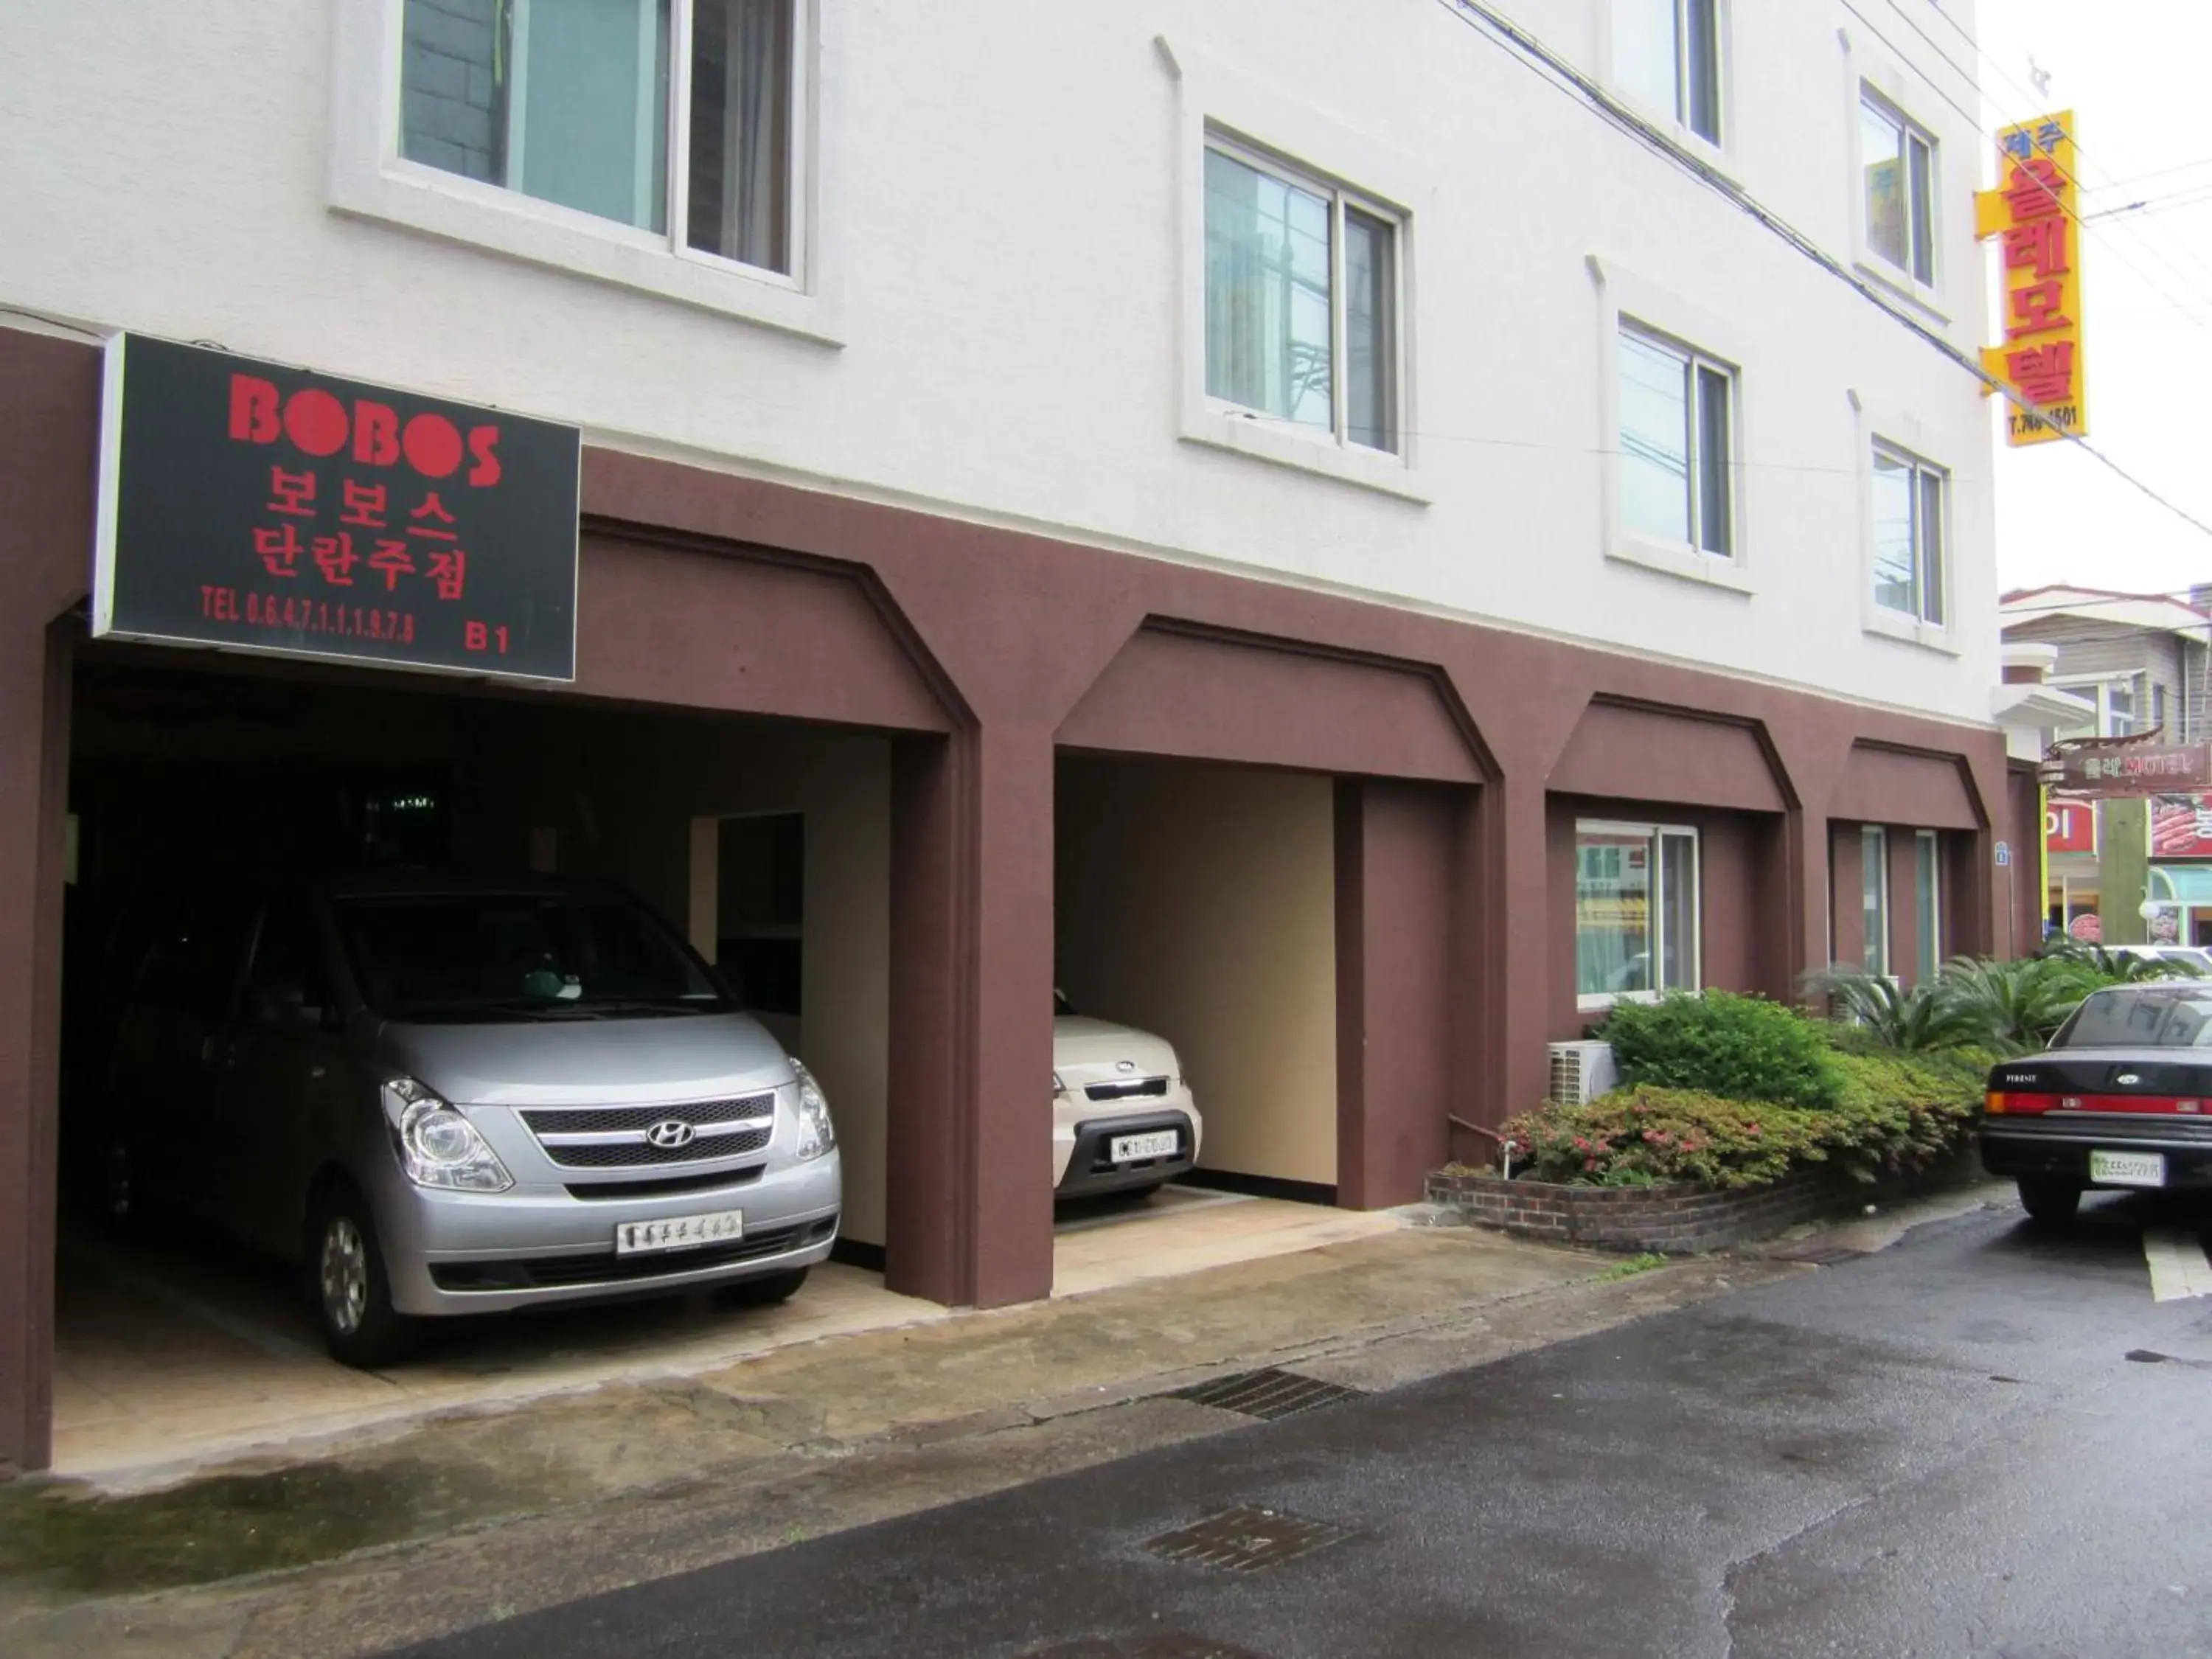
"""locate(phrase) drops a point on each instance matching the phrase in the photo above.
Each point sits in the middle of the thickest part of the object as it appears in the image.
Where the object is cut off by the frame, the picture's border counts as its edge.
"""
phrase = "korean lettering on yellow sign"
(2035, 214)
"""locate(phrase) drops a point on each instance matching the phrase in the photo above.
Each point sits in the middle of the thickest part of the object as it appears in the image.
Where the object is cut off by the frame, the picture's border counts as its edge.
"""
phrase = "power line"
(1974, 118)
(2152, 207)
(2081, 154)
(2155, 172)
(1533, 55)
(1963, 74)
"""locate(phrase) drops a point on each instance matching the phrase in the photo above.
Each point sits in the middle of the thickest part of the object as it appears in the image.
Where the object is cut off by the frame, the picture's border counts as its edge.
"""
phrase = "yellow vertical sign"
(2034, 213)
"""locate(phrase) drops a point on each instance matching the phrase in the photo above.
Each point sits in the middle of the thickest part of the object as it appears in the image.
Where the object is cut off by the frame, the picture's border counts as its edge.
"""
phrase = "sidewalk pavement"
(357, 1545)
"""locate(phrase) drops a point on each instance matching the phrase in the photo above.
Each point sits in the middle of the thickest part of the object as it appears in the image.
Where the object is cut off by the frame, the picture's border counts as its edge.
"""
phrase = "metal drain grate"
(1246, 1539)
(1172, 1645)
(1269, 1393)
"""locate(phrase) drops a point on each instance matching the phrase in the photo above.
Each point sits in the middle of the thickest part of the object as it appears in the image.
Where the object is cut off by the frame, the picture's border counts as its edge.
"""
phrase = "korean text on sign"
(2034, 217)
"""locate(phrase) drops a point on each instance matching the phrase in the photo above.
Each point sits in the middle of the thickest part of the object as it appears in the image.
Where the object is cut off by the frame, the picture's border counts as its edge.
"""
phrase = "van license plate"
(680, 1232)
(1128, 1149)
(2128, 1168)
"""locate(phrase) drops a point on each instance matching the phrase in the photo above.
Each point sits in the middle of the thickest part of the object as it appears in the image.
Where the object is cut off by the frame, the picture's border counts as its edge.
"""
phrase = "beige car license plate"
(2128, 1168)
(680, 1232)
(1128, 1149)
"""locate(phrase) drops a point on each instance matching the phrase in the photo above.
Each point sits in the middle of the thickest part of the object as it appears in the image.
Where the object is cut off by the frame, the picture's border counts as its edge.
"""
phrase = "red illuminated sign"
(2070, 826)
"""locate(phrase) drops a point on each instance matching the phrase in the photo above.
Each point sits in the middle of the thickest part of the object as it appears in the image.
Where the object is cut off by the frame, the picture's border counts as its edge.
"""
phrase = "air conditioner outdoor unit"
(1581, 1072)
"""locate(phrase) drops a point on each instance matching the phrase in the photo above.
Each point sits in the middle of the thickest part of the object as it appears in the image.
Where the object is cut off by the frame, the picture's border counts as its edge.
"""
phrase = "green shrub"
(1902, 1111)
(1891, 1111)
(1736, 1048)
(1635, 1137)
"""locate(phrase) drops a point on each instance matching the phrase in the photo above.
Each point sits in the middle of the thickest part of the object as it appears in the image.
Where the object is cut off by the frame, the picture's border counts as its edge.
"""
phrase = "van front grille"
(587, 1120)
(643, 1154)
(651, 1137)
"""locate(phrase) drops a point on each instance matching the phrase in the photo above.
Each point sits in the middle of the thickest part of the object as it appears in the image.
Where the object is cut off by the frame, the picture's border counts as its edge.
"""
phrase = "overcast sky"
(2133, 71)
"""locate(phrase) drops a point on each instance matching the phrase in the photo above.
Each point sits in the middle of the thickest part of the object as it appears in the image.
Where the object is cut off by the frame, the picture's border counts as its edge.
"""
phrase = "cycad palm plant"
(2123, 968)
(1926, 1017)
(2016, 1005)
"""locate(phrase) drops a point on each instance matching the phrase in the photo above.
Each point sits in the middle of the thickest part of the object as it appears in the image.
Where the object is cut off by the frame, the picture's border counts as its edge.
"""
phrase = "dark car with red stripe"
(2122, 1098)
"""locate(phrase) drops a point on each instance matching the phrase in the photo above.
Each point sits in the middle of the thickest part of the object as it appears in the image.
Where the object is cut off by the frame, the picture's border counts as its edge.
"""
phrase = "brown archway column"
(1397, 845)
(1517, 924)
(49, 403)
(34, 691)
(970, 1201)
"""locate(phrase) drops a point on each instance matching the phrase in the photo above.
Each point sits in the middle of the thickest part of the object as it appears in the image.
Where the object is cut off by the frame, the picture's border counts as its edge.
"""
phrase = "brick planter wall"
(1676, 1220)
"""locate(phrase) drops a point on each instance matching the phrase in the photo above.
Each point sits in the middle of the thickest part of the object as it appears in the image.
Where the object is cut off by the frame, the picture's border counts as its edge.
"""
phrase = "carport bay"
(972, 656)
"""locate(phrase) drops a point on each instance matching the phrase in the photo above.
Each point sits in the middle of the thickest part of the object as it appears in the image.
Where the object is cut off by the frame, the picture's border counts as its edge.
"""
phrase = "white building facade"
(1533, 436)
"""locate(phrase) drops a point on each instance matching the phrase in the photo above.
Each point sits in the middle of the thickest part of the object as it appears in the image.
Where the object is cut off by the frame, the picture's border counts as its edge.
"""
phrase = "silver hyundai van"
(453, 1096)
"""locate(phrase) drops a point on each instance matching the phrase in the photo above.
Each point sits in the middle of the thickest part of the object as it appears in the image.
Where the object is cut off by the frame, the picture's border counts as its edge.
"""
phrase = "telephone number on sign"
(304, 616)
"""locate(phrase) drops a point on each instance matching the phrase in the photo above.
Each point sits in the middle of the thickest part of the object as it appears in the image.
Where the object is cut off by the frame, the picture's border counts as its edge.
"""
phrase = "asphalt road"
(1944, 1448)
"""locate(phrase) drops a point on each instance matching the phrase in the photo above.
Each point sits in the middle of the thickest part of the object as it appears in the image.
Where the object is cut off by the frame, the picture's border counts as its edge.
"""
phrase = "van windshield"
(523, 956)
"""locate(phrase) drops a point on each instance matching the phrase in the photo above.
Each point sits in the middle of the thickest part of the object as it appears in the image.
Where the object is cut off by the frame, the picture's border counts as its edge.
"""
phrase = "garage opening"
(1195, 949)
(766, 845)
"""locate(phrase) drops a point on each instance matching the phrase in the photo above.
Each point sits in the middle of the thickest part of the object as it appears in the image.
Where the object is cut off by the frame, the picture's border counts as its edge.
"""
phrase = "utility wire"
(1974, 118)
(2152, 206)
(1532, 54)
(2109, 185)
(2081, 155)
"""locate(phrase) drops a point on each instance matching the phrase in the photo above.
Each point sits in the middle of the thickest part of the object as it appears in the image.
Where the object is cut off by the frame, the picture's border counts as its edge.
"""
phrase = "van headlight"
(816, 1135)
(438, 1147)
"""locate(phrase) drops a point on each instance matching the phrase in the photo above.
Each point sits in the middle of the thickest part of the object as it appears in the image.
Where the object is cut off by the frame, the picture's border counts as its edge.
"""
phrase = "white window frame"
(1696, 366)
(1340, 198)
(1875, 837)
(2099, 689)
(369, 179)
(1918, 468)
(1261, 126)
(1876, 81)
(1672, 121)
(1928, 844)
(1897, 430)
(1625, 299)
(1657, 835)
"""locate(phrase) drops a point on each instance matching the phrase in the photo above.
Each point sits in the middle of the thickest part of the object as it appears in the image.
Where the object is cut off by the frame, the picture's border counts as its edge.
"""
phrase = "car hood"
(1099, 1051)
(588, 1061)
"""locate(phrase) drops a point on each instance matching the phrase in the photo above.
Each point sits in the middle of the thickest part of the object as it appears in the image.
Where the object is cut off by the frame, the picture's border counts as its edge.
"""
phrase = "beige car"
(1122, 1117)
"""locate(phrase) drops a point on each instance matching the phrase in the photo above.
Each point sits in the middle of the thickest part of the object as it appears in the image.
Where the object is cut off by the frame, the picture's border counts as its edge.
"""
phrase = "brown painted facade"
(1461, 756)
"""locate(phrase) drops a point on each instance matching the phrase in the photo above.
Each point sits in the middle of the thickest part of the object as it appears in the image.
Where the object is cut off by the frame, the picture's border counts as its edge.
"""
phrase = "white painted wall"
(1199, 903)
(999, 259)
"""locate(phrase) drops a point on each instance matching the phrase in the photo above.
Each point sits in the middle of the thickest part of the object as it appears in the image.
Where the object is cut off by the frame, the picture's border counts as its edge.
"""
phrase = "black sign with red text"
(263, 508)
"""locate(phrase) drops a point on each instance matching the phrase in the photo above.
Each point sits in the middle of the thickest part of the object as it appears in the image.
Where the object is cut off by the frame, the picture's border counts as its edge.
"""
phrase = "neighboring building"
(2033, 714)
(1275, 518)
(2141, 663)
